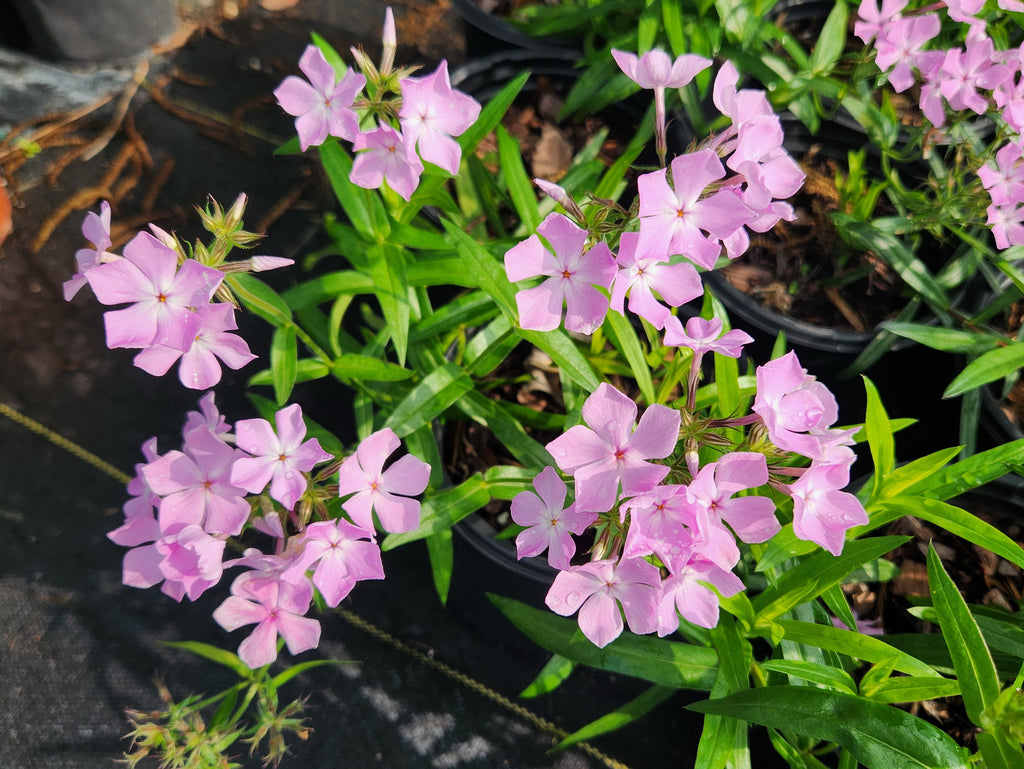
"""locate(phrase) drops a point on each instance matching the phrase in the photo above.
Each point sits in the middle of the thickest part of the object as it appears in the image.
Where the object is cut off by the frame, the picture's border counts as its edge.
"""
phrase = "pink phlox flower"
(161, 295)
(714, 489)
(1007, 223)
(276, 608)
(964, 11)
(1004, 179)
(199, 367)
(793, 403)
(686, 592)
(964, 72)
(822, 512)
(608, 451)
(387, 492)
(343, 555)
(768, 170)
(931, 101)
(191, 561)
(269, 524)
(675, 219)
(656, 69)
(574, 276)
(549, 524)
(383, 156)
(739, 105)
(640, 275)
(208, 416)
(1009, 97)
(139, 512)
(278, 458)
(596, 590)
(660, 522)
(322, 107)
(196, 488)
(432, 113)
(872, 19)
(96, 229)
(1014, 6)
(704, 336)
(900, 43)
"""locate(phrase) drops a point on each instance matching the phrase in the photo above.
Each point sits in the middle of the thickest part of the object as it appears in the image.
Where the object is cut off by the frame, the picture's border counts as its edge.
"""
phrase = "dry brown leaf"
(552, 155)
(6, 222)
(277, 5)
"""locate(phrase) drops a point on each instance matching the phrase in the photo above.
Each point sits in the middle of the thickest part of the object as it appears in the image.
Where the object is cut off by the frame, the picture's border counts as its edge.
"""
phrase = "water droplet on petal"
(289, 475)
(573, 597)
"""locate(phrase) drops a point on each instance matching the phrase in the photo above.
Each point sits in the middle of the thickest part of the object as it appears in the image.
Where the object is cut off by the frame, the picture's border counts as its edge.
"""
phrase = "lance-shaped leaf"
(986, 368)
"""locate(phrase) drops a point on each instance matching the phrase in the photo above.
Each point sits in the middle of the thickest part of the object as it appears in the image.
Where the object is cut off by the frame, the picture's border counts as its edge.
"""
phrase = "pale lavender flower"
(549, 524)
(597, 589)
(704, 336)
(641, 274)
(322, 107)
(822, 512)
(432, 113)
(386, 492)
(279, 459)
(574, 276)
(793, 403)
(96, 229)
(608, 451)
(686, 592)
(383, 156)
(343, 555)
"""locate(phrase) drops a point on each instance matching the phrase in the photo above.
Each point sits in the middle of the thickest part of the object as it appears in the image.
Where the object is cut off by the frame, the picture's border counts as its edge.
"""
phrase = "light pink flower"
(432, 113)
(822, 513)
(685, 592)
(322, 107)
(343, 555)
(899, 45)
(703, 336)
(96, 229)
(382, 156)
(574, 276)
(548, 526)
(276, 608)
(641, 274)
(386, 492)
(279, 459)
(161, 295)
(873, 19)
(596, 590)
(792, 403)
(714, 489)
(608, 451)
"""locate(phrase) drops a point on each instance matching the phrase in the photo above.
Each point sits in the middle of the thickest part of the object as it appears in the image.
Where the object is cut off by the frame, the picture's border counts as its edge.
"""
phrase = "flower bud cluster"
(400, 123)
(179, 309)
(187, 504)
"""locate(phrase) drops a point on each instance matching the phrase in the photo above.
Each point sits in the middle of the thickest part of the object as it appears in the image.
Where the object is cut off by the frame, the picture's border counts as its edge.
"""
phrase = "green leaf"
(945, 339)
(520, 187)
(439, 512)
(955, 521)
(550, 677)
(387, 268)
(306, 370)
(492, 114)
(283, 362)
(972, 472)
(488, 272)
(362, 207)
(368, 368)
(326, 288)
(816, 574)
(508, 430)
(878, 736)
(442, 559)
(432, 396)
(214, 654)
(566, 355)
(723, 740)
(669, 663)
(823, 675)
(831, 42)
(880, 440)
(287, 675)
(634, 709)
(903, 689)
(260, 298)
(975, 670)
(896, 254)
(986, 368)
(853, 644)
(622, 334)
(906, 476)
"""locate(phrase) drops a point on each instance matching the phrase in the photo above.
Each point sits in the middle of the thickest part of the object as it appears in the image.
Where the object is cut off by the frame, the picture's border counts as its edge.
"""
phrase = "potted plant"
(718, 513)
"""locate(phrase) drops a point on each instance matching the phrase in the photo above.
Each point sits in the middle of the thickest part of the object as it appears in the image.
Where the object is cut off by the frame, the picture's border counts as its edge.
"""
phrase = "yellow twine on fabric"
(541, 724)
(68, 445)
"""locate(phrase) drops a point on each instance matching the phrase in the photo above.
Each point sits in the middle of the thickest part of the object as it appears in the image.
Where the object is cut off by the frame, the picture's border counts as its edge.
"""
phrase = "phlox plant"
(714, 493)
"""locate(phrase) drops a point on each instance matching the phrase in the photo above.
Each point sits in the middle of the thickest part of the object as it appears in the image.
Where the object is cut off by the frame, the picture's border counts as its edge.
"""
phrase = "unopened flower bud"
(390, 42)
(233, 218)
(264, 263)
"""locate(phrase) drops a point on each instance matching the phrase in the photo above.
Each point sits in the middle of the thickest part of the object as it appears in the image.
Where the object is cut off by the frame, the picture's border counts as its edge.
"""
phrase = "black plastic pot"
(487, 33)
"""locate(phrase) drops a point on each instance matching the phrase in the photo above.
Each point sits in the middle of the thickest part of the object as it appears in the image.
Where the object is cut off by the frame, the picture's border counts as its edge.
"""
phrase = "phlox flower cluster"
(975, 77)
(675, 521)
(171, 316)
(399, 124)
(189, 503)
(690, 214)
